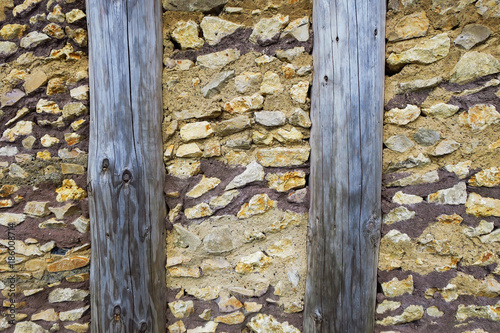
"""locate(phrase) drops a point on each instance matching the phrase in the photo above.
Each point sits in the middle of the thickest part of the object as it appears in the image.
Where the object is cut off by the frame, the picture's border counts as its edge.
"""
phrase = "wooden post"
(346, 163)
(126, 172)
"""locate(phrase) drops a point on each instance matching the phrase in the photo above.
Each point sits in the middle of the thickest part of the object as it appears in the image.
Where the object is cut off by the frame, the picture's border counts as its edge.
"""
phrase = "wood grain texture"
(126, 172)
(346, 164)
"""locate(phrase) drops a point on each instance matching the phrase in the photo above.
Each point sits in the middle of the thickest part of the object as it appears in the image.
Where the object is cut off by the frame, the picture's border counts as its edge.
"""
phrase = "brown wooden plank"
(126, 171)
(346, 159)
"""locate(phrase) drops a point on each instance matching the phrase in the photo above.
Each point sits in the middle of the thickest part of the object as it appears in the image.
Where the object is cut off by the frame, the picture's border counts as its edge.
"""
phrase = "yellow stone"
(257, 261)
(481, 206)
(43, 155)
(231, 319)
(251, 307)
(487, 177)
(11, 31)
(70, 191)
(258, 204)
(283, 182)
(78, 277)
(181, 309)
(68, 264)
(193, 272)
(46, 315)
(395, 287)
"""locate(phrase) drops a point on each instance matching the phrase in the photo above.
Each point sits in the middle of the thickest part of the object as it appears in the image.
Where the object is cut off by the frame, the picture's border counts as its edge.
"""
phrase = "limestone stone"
(45, 106)
(267, 28)
(434, 311)
(7, 48)
(11, 98)
(33, 39)
(231, 319)
(209, 327)
(402, 116)
(37, 208)
(77, 124)
(181, 309)
(288, 70)
(206, 184)
(68, 264)
(177, 327)
(219, 59)
(80, 93)
(456, 195)
(11, 31)
(299, 117)
(184, 168)
(46, 315)
(425, 52)
(204, 293)
(48, 141)
(251, 307)
(72, 315)
(198, 211)
(445, 147)
(395, 287)
(399, 143)
(229, 304)
(298, 29)
(67, 295)
(70, 191)
(8, 151)
(216, 83)
(264, 59)
(406, 199)
(304, 70)
(24, 7)
(73, 138)
(233, 125)
(270, 84)
(72, 110)
(37, 18)
(193, 5)
(483, 228)
(54, 30)
(449, 6)
(21, 128)
(398, 214)
(214, 29)
(6, 203)
(254, 172)
(488, 8)
(196, 131)
(224, 199)
(257, 261)
(418, 84)
(245, 103)
(472, 34)
(72, 169)
(487, 177)
(282, 249)
(198, 114)
(52, 224)
(298, 92)
(218, 240)
(411, 313)
(416, 179)
(7, 219)
(29, 327)
(491, 237)
(186, 34)
(473, 65)
(281, 156)
(56, 86)
(490, 312)
(56, 15)
(81, 224)
(283, 182)
(189, 150)
(270, 118)
(263, 323)
(263, 138)
(78, 328)
(298, 196)
(79, 36)
(74, 15)
(247, 81)
(482, 206)
(426, 137)
(479, 117)
(409, 26)
(441, 110)
(16, 171)
(215, 265)
(258, 204)
(34, 81)
(290, 54)
(387, 305)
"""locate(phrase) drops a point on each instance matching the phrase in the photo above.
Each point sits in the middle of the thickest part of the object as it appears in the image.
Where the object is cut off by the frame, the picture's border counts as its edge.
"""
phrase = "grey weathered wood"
(346, 164)
(126, 172)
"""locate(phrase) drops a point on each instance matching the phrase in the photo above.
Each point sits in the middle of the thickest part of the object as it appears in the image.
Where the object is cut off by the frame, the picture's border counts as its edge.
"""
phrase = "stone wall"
(44, 238)
(236, 128)
(439, 254)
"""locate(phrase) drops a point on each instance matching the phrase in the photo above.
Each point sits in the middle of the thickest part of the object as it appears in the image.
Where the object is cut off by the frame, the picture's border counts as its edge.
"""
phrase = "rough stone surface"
(425, 52)
(267, 28)
(410, 26)
(399, 143)
(402, 116)
(270, 118)
(214, 29)
(472, 34)
(473, 65)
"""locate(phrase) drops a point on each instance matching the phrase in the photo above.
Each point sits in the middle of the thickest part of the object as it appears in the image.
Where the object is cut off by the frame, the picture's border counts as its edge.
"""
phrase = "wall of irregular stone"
(236, 129)
(439, 254)
(44, 238)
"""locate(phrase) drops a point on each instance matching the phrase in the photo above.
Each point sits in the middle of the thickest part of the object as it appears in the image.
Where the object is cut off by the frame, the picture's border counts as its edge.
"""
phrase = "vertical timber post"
(346, 165)
(126, 172)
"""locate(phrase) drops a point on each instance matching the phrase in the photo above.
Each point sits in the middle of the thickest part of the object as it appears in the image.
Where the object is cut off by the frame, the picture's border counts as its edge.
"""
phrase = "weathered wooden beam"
(346, 163)
(126, 172)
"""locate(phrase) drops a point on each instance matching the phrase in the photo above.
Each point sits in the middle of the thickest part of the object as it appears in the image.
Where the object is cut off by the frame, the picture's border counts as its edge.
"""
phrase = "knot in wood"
(126, 176)
(117, 312)
(105, 164)
(144, 327)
